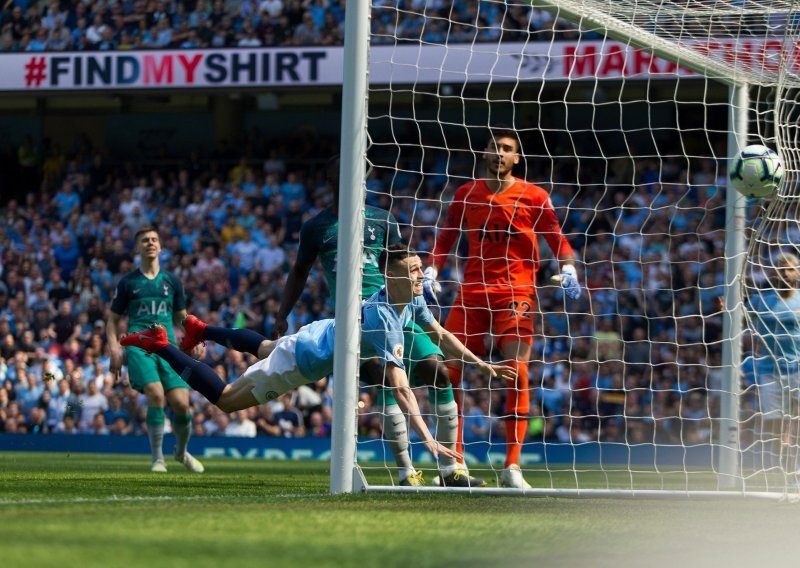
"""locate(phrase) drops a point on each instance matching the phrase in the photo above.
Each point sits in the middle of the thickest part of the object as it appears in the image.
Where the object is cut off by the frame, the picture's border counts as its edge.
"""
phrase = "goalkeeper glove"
(430, 287)
(569, 281)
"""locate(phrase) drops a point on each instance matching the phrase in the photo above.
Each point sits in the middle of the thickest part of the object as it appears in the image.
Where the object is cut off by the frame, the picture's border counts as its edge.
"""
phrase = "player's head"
(502, 151)
(402, 267)
(788, 266)
(148, 243)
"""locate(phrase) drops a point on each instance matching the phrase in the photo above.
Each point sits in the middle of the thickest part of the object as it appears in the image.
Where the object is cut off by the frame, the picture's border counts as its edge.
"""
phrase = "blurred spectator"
(116, 417)
(289, 418)
(270, 258)
(68, 425)
(65, 323)
(241, 426)
(92, 403)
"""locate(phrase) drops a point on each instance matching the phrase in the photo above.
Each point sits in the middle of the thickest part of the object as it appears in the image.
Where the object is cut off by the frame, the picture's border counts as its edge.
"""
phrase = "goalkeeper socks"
(198, 375)
(518, 406)
(182, 428)
(395, 432)
(515, 436)
(447, 433)
(155, 431)
(244, 340)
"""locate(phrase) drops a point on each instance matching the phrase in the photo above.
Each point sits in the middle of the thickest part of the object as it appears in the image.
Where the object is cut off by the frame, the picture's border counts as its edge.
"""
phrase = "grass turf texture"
(109, 510)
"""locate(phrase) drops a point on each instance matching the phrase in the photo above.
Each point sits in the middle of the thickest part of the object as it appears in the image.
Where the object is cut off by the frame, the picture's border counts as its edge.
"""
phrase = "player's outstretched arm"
(454, 349)
(397, 380)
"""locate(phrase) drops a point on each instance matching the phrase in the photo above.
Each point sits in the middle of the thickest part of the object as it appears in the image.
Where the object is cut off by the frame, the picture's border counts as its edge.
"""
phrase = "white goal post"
(638, 105)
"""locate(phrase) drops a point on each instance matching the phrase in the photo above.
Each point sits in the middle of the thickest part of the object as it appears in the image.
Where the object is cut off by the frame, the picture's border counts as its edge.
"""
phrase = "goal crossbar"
(626, 22)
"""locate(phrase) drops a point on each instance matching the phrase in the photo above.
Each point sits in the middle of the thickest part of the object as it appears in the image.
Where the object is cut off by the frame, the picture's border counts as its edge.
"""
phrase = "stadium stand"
(65, 242)
(149, 24)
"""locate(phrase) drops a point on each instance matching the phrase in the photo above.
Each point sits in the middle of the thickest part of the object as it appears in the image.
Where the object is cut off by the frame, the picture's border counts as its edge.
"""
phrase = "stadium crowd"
(636, 360)
(97, 25)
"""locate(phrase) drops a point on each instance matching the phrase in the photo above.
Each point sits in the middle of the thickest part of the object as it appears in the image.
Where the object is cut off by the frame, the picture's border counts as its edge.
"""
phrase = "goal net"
(627, 112)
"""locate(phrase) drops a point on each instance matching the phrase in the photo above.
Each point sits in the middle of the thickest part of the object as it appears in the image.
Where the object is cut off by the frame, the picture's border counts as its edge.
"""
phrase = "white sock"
(156, 434)
(395, 432)
(182, 434)
(447, 433)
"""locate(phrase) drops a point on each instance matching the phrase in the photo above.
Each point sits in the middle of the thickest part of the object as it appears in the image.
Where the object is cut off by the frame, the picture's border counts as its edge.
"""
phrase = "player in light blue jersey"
(307, 355)
(775, 317)
(423, 360)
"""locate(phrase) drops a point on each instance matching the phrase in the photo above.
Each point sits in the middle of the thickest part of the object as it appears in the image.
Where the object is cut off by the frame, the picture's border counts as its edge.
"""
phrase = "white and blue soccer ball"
(756, 171)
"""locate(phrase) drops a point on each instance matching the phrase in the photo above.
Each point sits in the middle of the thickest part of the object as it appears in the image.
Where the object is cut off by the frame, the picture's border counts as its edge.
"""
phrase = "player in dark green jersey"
(151, 296)
(423, 358)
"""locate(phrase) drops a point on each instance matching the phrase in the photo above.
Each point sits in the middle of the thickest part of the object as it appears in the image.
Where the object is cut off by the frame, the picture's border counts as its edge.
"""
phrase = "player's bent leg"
(396, 435)
(193, 331)
(395, 431)
(372, 373)
(244, 340)
(178, 399)
(198, 375)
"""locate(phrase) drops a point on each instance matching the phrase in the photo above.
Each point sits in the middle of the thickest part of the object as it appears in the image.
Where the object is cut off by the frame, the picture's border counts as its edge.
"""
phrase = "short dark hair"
(393, 254)
(504, 131)
(143, 230)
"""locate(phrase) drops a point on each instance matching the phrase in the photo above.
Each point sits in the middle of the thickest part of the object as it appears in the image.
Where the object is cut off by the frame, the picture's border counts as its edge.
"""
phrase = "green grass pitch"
(85, 510)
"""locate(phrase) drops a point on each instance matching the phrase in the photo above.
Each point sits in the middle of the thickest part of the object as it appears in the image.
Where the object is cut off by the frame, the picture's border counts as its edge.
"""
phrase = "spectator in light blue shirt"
(38, 43)
(67, 255)
(292, 189)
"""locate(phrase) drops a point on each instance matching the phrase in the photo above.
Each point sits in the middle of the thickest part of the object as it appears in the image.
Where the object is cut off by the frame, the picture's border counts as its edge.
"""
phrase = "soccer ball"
(756, 171)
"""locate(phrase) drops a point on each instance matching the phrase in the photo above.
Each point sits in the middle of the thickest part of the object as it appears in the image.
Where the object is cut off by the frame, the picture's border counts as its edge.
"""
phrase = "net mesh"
(625, 383)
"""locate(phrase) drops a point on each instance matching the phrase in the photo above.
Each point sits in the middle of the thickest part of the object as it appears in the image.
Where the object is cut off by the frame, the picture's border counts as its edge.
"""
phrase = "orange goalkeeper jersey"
(502, 231)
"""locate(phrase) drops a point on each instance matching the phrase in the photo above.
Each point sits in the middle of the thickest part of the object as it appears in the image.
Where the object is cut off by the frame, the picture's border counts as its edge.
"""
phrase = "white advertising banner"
(397, 64)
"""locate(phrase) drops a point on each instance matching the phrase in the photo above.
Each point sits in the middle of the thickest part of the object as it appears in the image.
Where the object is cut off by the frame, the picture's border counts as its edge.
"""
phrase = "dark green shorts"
(418, 346)
(144, 369)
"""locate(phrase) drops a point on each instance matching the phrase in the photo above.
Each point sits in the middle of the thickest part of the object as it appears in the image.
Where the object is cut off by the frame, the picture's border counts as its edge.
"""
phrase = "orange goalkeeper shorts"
(506, 316)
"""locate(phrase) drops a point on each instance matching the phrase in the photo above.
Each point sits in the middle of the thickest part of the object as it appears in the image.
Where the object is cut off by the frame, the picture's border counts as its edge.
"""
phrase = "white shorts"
(277, 374)
(776, 394)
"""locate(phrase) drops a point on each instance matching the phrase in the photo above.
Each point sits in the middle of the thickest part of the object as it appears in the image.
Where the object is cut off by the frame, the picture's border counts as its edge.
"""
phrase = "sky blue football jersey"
(381, 335)
(776, 321)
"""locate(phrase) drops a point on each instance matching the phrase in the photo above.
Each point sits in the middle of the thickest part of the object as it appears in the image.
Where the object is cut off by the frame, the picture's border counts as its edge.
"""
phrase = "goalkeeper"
(422, 358)
(307, 356)
(502, 218)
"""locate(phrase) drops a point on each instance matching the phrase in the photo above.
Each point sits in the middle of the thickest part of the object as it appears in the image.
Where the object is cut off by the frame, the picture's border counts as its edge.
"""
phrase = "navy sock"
(199, 376)
(244, 340)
